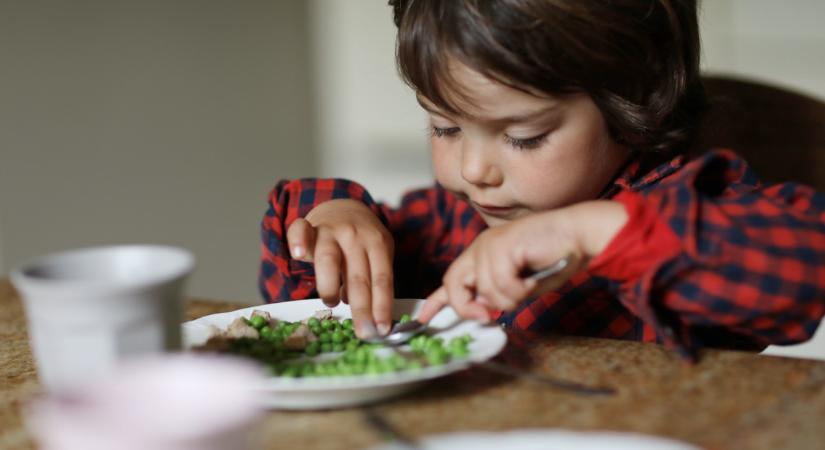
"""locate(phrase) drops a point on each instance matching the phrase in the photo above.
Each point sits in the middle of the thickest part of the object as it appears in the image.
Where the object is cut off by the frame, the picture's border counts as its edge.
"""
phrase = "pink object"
(179, 402)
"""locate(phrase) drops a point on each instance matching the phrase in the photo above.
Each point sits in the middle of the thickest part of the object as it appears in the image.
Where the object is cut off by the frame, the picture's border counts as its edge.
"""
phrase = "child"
(561, 129)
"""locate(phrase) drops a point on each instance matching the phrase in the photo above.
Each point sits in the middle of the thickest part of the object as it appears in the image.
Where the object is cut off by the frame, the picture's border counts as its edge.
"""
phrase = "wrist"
(596, 223)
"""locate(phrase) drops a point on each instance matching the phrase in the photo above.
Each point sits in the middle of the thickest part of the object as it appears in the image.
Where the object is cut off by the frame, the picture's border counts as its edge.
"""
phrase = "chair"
(779, 132)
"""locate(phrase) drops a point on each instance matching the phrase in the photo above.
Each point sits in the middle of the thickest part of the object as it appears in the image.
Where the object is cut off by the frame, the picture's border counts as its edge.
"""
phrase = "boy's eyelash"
(442, 132)
(526, 144)
(520, 144)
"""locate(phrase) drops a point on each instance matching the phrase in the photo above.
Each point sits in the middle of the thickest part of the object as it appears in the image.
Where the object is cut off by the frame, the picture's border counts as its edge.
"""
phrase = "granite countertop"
(728, 400)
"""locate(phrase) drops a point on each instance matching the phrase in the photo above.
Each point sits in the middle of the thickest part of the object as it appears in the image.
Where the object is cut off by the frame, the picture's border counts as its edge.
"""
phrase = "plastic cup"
(90, 308)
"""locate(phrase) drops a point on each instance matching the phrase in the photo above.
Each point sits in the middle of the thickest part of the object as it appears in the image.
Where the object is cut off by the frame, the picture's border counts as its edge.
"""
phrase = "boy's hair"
(637, 59)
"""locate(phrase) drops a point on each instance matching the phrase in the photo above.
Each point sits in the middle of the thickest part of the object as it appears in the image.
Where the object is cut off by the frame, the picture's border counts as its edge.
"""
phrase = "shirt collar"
(643, 169)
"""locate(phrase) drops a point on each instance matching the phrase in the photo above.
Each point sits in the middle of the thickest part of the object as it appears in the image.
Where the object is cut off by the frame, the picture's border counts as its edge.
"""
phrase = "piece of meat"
(265, 314)
(300, 338)
(215, 344)
(214, 331)
(323, 314)
(239, 329)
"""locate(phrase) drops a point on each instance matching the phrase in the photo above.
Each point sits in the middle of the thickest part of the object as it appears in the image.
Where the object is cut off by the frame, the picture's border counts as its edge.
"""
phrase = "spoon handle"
(551, 270)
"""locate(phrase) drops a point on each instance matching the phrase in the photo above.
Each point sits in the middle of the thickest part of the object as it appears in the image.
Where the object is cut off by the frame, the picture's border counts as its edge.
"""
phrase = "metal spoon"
(403, 332)
(399, 334)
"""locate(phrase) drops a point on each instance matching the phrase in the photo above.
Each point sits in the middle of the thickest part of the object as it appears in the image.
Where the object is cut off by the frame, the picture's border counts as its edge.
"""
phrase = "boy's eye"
(442, 132)
(526, 143)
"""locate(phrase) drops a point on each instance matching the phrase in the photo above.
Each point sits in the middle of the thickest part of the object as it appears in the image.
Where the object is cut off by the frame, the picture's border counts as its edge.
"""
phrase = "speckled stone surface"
(729, 400)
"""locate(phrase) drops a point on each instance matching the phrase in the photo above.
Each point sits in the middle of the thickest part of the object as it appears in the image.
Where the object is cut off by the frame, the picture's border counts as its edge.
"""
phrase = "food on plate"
(323, 345)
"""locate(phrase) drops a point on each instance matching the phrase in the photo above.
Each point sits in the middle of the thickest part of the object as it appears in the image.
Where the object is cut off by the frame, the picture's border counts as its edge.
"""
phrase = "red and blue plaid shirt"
(710, 257)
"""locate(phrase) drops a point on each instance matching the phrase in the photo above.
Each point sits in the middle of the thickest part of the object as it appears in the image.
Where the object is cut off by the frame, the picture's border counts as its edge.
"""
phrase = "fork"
(403, 332)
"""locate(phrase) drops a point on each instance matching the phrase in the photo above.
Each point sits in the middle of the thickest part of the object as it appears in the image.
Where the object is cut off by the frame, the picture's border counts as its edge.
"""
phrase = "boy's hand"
(353, 252)
(490, 273)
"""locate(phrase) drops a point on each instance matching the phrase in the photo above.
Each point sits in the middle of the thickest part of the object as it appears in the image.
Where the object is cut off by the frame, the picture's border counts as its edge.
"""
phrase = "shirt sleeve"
(710, 256)
(430, 228)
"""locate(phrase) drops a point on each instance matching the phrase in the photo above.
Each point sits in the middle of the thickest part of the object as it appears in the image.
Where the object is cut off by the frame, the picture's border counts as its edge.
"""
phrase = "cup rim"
(183, 266)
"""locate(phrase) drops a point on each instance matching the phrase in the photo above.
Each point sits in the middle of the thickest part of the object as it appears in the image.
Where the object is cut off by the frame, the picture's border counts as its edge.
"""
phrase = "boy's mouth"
(502, 212)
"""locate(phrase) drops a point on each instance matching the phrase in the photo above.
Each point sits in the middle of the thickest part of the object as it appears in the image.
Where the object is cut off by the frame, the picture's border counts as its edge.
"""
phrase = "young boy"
(561, 129)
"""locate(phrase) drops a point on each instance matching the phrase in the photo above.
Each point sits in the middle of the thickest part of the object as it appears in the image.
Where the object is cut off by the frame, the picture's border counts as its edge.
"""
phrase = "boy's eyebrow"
(521, 118)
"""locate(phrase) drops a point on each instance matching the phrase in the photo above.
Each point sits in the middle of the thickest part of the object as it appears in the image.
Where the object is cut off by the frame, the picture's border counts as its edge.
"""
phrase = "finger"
(359, 292)
(507, 288)
(300, 237)
(383, 295)
(460, 287)
(432, 305)
(328, 268)
(488, 290)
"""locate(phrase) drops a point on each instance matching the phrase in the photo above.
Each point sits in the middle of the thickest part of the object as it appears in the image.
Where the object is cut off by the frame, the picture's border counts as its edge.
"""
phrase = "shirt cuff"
(644, 242)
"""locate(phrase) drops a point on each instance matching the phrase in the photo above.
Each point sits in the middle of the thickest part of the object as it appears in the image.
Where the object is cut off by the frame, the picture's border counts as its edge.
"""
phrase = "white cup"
(87, 309)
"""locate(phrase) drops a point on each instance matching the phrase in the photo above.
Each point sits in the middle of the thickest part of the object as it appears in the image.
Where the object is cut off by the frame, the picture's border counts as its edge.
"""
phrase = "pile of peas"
(357, 358)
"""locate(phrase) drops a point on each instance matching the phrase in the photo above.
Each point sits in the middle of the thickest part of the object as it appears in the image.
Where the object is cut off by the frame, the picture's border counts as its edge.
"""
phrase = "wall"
(370, 128)
(778, 42)
(152, 121)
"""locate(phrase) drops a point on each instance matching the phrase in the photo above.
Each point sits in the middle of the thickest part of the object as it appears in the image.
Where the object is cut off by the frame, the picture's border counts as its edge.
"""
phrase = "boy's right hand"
(352, 252)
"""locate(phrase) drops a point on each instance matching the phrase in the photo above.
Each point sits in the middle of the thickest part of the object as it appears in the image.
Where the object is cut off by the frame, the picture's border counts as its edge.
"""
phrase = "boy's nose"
(478, 164)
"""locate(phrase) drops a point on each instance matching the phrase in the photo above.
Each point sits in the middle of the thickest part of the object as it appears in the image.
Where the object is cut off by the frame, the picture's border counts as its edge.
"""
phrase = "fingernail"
(366, 330)
(297, 252)
(383, 329)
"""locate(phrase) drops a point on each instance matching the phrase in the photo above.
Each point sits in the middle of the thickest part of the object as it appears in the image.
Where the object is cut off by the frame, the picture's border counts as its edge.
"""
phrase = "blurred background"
(168, 122)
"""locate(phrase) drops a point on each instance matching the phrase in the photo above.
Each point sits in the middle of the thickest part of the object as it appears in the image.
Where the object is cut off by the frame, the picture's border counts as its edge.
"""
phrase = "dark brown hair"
(637, 59)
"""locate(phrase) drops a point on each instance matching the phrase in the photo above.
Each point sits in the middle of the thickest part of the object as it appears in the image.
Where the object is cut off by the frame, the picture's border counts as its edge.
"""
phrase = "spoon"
(403, 332)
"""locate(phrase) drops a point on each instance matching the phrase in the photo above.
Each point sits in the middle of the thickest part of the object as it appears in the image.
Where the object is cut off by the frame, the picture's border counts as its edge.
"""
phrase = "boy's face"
(512, 153)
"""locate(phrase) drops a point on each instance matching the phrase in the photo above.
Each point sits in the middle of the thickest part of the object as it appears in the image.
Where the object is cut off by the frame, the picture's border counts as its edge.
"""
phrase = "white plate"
(546, 439)
(343, 391)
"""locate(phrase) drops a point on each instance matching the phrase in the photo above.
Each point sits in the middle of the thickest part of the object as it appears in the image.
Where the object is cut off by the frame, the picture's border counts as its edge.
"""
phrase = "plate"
(344, 391)
(545, 439)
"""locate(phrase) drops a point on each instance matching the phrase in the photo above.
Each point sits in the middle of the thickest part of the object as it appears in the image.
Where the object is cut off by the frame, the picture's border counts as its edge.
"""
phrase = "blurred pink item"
(176, 401)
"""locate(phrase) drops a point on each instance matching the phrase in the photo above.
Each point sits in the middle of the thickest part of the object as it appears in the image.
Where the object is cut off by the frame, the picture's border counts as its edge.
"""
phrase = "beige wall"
(151, 121)
(370, 128)
(779, 42)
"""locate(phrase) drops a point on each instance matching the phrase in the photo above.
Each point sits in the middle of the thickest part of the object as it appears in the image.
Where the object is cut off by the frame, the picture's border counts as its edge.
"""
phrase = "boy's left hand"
(490, 273)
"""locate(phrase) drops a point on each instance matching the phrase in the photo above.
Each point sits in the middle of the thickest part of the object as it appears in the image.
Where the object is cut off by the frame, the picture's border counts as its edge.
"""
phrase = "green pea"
(327, 324)
(326, 347)
(325, 337)
(337, 337)
(266, 332)
(313, 322)
(437, 356)
(257, 322)
(338, 347)
(404, 318)
(313, 348)
(347, 324)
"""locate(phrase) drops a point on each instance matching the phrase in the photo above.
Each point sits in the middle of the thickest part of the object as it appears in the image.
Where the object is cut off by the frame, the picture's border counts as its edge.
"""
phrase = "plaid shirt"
(709, 257)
